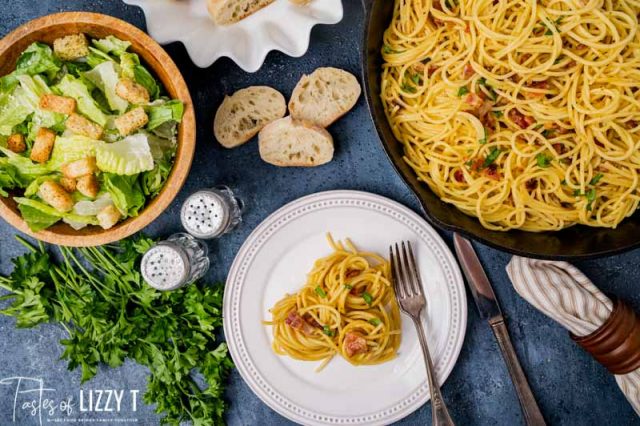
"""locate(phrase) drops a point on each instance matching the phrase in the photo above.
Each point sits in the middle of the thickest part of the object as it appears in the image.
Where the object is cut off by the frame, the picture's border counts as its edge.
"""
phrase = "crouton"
(68, 184)
(54, 195)
(108, 216)
(79, 168)
(16, 143)
(131, 121)
(71, 47)
(79, 125)
(55, 103)
(88, 186)
(43, 145)
(132, 92)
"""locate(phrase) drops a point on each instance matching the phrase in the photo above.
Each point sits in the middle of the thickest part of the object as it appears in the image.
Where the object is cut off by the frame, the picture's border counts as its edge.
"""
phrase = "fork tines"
(406, 280)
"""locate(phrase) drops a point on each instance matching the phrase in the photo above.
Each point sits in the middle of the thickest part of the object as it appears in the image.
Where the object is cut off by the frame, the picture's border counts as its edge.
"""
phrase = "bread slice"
(225, 12)
(242, 115)
(292, 143)
(324, 96)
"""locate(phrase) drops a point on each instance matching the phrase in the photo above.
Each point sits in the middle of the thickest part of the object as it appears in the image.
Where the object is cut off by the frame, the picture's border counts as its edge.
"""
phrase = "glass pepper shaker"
(210, 213)
(179, 260)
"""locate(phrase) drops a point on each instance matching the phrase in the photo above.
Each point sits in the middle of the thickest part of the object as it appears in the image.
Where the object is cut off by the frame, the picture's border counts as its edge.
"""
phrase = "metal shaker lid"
(165, 266)
(205, 214)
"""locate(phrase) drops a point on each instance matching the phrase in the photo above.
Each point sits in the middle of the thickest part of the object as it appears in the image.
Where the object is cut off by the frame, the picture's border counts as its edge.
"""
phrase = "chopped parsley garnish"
(328, 331)
(367, 298)
(498, 114)
(492, 94)
(320, 292)
(591, 197)
(549, 27)
(547, 133)
(348, 287)
(375, 321)
(576, 193)
(563, 182)
(416, 78)
(408, 88)
(596, 179)
(463, 91)
(543, 160)
(386, 49)
(493, 156)
(558, 59)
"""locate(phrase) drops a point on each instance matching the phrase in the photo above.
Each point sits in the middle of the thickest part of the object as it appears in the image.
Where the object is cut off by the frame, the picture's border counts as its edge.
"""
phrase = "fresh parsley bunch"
(100, 298)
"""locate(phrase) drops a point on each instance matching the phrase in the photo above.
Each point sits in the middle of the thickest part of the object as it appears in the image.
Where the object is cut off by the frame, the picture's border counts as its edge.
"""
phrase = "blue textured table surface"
(570, 387)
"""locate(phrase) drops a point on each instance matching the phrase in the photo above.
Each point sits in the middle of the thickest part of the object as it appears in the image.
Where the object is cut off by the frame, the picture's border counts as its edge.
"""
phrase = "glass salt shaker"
(210, 213)
(179, 260)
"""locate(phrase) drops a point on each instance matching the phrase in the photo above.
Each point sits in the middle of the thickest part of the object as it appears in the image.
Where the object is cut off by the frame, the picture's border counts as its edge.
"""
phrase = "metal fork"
(408, 289)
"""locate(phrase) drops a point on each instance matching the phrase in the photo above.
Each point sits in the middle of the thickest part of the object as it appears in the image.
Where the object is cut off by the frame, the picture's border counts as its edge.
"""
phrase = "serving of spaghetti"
(525, 114)
(347, 307)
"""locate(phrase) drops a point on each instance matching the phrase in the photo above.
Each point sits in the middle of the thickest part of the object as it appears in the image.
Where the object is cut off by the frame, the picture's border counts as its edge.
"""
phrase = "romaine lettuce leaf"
(126, 193)
(96, 57)
(131, 69)
(9, 177)
(72, 148)
(143, 77)
(75, 88)
(170, 111)
(27, 169)
(160, 147)
(105, 77)
(39, 215)
(153, 180)
(92, 208)
(36, 218)
(111, 44)
(38, 58)
(129, 156)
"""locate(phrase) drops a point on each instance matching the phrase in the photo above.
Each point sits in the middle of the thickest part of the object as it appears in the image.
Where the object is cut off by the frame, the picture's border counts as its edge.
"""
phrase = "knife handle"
(530, 409)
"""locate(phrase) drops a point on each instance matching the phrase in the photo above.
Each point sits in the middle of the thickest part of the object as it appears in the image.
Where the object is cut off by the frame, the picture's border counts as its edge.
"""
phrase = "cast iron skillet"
(578, 242)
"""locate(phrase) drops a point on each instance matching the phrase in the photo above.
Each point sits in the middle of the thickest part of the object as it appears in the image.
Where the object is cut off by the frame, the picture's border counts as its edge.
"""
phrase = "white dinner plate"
(275, 259)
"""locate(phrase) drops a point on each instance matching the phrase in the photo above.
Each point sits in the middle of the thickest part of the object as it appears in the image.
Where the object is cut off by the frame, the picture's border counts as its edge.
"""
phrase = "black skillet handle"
(367, 5)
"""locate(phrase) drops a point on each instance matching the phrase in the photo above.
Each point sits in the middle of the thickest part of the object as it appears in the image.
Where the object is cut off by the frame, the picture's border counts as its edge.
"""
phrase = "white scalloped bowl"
(281, 26)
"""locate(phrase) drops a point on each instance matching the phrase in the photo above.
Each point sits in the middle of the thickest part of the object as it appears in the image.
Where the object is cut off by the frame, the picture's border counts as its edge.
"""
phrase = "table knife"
(489, 309)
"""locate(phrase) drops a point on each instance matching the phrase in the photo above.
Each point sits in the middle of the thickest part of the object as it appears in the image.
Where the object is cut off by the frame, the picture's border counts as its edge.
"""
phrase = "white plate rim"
(305, 205)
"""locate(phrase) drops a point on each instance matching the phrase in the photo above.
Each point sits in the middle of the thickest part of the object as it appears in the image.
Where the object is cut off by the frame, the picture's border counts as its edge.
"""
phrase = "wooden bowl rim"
(186, 131)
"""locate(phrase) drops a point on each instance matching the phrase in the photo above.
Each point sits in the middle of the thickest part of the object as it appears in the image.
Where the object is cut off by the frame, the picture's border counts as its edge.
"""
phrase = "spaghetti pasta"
(347, 307)
(523, 113)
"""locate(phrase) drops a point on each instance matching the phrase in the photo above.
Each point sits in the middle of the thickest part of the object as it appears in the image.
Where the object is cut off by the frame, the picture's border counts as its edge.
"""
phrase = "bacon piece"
(560, 148)
(474, 100)
(531, 184)
(520, 119)
(468, 71)
(354, 343)
(537, 85)
(631, 124)
(351, 273)
(295, 321)
(458, 176)
(432, 69)
(491, 172)
(477, 164)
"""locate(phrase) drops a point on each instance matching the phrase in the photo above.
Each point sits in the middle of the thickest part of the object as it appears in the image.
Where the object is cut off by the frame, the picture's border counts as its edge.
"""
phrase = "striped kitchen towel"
(563, 293)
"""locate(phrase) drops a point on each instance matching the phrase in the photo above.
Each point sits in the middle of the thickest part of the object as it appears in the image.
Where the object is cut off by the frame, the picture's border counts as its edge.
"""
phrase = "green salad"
(87, 135)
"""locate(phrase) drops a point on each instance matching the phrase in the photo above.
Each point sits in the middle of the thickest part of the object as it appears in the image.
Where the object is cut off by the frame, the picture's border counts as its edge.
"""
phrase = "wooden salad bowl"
(51, 27)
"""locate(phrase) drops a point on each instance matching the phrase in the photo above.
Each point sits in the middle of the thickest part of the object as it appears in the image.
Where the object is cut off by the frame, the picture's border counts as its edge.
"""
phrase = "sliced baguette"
(292, 143)
(225, 12)
(324, 96)
(242, 115)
